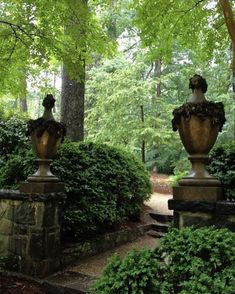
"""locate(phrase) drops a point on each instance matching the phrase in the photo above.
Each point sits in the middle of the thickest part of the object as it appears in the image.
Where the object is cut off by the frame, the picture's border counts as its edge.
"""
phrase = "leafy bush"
(135, 274)
(12, 136)
(222, 166)
(17, 168)
(188, 261)
(104, 185)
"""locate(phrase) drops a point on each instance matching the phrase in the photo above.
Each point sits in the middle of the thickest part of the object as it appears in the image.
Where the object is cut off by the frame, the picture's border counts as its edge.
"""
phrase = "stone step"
(155, 234)
(163, 228)
(69, 282)
(163, 218)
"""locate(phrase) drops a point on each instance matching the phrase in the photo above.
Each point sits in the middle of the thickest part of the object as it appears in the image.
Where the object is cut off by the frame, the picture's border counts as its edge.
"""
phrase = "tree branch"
(229, 19)
(187, 11)
(16, 27)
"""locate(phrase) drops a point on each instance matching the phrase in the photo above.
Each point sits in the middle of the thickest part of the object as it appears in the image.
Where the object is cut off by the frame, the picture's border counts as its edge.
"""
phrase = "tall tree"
(41, 33)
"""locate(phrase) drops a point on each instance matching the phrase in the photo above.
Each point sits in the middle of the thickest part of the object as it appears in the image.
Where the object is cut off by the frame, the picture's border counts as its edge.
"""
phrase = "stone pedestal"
(201, 213)
(193, 193)
(41, 187)
(30, 231)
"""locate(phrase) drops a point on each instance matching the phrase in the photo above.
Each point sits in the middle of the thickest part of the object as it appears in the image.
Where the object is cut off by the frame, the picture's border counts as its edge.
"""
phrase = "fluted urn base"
(199, 176)
(43, 174)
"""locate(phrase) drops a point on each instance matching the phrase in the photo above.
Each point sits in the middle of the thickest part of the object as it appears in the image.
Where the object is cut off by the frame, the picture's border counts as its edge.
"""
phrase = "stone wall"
(30, 231)
(203, 213)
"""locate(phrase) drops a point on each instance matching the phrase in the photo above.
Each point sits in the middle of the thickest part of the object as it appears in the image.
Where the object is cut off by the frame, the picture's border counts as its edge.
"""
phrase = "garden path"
(89, 269)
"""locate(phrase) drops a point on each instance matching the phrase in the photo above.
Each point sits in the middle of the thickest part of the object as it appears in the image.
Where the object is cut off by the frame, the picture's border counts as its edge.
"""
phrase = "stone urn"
(46, 135)
(198, 122)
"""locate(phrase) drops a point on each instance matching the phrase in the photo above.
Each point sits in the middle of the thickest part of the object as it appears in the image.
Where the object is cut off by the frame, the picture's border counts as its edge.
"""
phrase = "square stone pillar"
(200, 213)
(195, 205)
(30, 231)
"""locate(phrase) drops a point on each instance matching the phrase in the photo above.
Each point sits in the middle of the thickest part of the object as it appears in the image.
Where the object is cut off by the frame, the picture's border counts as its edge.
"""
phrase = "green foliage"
(12, 136)
(33, 34)
(222, 166)
(188, 261)
(135, 274)
(104, 185)
(166, 24)
(16, 169)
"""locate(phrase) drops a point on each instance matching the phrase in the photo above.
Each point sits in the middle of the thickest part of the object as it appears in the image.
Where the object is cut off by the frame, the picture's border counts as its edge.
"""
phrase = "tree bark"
(143, 141)
(157, 74)
(230, 23)
(23, 104)
(73, 89)
(23, 96)
(72, 105)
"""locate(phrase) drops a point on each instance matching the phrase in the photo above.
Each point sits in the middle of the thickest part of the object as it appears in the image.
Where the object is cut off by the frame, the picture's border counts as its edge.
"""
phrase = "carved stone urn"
(198, 122)
(46, 135)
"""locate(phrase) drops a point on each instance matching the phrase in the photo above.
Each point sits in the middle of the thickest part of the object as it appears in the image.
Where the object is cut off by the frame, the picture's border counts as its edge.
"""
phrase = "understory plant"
(222, 166)
(12, 136)
(196, 261)
(105, 186)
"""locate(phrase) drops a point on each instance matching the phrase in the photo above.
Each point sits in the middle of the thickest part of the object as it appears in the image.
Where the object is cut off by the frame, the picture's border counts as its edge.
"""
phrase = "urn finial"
(48, 103)
(199, 86)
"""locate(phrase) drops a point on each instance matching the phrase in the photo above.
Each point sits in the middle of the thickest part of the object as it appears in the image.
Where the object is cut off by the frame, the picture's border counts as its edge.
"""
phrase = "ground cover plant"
(188, 261)
(105, 185)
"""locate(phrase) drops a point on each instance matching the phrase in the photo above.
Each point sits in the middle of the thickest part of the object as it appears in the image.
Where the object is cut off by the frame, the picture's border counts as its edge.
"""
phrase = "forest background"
(118, 68)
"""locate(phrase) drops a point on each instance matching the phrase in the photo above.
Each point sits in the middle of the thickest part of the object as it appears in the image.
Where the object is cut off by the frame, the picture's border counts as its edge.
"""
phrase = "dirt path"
(159, 203)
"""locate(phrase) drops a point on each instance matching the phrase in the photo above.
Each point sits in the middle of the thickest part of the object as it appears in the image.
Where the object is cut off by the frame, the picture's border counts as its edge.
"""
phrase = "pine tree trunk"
(72, 105)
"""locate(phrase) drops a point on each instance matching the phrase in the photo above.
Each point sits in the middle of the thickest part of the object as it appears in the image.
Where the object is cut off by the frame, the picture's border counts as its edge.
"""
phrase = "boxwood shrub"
(187, 261)
(222, 165)
(104, 185)
(12, 136)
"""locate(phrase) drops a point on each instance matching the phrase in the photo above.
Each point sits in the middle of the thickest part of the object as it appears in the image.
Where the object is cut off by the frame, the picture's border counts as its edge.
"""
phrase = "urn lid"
(48, 103)
(199, 86)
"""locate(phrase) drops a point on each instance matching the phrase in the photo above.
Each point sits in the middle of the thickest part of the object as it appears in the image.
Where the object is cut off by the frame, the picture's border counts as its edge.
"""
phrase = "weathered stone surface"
(18, 245)
(24, 213)
(6, 226)
(36, 246)
(225, 207)
(187, 219)
(99, 244)
(41, 187)
(192, 206)
(4, 245)
(40, 197)
(193, 193)
(49, 215)
(6, 209)
(52, 247)
(20, 229)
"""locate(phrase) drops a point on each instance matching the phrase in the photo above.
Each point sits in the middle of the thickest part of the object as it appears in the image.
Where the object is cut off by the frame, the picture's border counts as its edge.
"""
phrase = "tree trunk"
(23, 96)
(73, 89)
(143, 141)
(72, 105)
(23, 104)
(157, 74)
(230, 23)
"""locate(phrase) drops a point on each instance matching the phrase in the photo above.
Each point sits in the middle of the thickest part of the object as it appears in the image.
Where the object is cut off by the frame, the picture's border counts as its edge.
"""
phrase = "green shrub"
(188, 261)
(12, 136)
(16, 169)
(222, 166)
(135, 274)
(104, 185)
